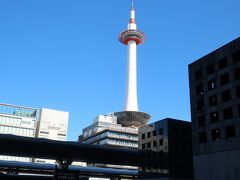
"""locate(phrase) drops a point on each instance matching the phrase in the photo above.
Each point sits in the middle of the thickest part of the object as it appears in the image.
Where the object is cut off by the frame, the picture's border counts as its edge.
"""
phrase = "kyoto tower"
(132, 37)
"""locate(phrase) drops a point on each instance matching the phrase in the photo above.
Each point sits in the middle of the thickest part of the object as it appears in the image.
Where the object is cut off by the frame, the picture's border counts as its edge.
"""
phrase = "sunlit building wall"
(106, 131)
(17, 120)
(53, 125)
(33, 122)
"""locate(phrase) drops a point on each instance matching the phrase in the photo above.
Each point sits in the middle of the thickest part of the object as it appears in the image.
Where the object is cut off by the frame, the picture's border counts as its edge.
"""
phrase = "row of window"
(155, 143)
(216, 134)
(214, 116)
(118, 142)
(214, 100)
(152, 155)
(18, 111)
(156, 167)
(222, 63)
(153, 133)
(112, 134)
(14, 158)
(211, 84)
(17, 131)
(10, 121)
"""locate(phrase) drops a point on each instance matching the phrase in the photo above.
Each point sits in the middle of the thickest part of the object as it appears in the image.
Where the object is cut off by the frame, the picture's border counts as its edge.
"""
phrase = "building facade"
(166, 150)
(19, 121)
(106, 131)
(32, 122)
(52, 124)
(215, 110)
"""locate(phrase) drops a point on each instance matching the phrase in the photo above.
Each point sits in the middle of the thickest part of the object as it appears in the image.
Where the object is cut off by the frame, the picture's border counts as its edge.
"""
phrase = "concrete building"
(215, 110)
(17, 120)
(166, 150)
(106, 131)
(52, 124)
(33, 122)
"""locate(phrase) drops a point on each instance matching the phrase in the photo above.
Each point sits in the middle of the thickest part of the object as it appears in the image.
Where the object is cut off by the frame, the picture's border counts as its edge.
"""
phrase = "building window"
(199, 89)
(154, 154)
(154, 133)
(143, 146)
(43, 132)
(211, 84)
(154, 143)
(237, 73)
(161, 142)
(230, 131)
(223, 63)
(202, 137)
(216, 135)
(161, 165)
(227, 113)
(236, 57)
(62, 134)
(200, 104)
(210, 69)
(226, 96)
(224, 79)
(201, 120)
(238, 91)
(143, 136)
(148, 145)
(161, 131)
(198, 75)
(212, 100)
(160, 153)
(214, 117)
(148, 135)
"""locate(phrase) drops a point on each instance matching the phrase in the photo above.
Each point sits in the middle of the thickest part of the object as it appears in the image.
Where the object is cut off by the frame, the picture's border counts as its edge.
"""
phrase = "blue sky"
(65, 54)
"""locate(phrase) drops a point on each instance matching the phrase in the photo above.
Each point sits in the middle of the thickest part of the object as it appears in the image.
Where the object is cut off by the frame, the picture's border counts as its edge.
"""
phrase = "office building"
(166, 150)
(53, 125)
(215, 110)
(33, 122)
(18, 120)
(106, 131)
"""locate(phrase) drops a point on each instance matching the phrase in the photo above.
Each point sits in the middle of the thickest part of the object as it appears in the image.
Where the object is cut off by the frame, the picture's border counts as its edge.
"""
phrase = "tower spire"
(132, 23)
(132, 7)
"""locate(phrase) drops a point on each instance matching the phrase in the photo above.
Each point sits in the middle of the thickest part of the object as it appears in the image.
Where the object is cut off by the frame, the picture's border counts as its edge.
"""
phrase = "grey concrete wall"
(217, 166)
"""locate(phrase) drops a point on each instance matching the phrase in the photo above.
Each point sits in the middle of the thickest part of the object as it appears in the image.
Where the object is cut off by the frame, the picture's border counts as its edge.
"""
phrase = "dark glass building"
(166, 150)
(215, 110)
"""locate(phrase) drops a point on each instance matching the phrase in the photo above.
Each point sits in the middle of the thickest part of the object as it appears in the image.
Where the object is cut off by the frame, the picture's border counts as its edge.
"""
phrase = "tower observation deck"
(132, 37)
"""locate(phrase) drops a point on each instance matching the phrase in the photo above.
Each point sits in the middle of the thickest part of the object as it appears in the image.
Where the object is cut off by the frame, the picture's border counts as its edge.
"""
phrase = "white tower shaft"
(131, 94)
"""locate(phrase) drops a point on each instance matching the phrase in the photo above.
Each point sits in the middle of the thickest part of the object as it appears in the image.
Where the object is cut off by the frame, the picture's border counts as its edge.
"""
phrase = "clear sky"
(65, 54)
